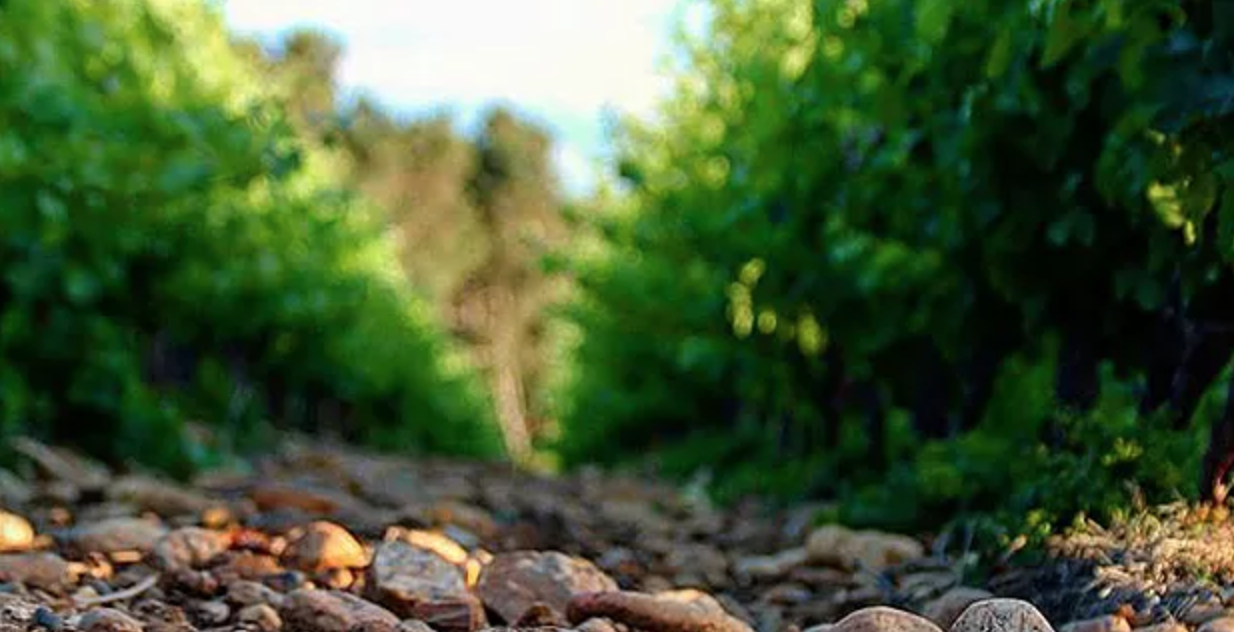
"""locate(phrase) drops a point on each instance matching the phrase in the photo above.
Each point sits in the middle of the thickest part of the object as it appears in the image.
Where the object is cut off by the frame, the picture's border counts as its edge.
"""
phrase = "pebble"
(248, 593)
(115, 535)
(47, 619)
(16, 533)
(772, 566)
(871, 550)
(211, 612)
(308, 610)
(324, 546)
(262, 616)
(944, 609)
(189, 547)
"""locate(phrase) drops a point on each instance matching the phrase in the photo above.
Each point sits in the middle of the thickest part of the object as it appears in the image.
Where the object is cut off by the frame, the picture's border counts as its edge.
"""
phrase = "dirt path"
(324, 540)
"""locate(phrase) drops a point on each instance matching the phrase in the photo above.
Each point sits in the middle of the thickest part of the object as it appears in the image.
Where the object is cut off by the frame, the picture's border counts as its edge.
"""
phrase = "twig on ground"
(120, 595)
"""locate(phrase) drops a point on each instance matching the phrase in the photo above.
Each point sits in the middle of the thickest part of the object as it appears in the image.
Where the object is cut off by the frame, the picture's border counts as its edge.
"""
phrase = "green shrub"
(851, 214)
(149, 190)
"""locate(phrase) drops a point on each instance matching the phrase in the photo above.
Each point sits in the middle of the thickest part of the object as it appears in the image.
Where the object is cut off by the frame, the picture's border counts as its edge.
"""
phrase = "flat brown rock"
(117, 534)
(646, 612)
(62, 465)
(514, 582)
(308, 610)
(161, 497)
(873, 550)
(45, 571)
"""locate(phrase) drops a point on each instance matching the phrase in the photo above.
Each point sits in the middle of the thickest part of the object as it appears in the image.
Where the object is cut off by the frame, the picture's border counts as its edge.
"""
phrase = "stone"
(417, 583)
(403, 569)
(413, 625)
(308, 610)
(596, 624)
(771, 566)
(189, 547)
(160, 497)
(1001, 615)
(514, 582)
(787, 594)
(245, 593)
(45, 618)
(235, 565)
(261, 616)
(461, 613)
(944, 609)
(635, 513)
(13, 490)
(324, 546)
(464, 515)
(45, 571)
(1164, 626)
(655, 613)
(438, 543)
(211, 613)
(1219, 624)
(18, 609)
(62, 465)
(541, 616)
(16, 533)
(1202, 613)
(697, 599)
(696, 563)
(159, 616)
(117, 535)
(884, 619)
(108, 620)
(871, 550)
(1108, 623)
(309, 499)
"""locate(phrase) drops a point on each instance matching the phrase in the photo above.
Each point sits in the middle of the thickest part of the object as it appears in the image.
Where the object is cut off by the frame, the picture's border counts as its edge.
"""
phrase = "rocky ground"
(322, 540)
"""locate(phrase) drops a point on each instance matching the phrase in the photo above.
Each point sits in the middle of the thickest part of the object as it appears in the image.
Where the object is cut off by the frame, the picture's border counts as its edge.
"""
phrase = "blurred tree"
(472, 216)
(501, 307)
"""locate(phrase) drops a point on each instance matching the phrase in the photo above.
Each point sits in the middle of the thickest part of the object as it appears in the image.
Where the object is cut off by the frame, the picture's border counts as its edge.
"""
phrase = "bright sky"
(562, 61)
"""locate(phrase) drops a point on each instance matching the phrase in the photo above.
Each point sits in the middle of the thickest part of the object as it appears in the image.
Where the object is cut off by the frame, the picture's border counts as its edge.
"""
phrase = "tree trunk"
(1220, 455)
(506, 373)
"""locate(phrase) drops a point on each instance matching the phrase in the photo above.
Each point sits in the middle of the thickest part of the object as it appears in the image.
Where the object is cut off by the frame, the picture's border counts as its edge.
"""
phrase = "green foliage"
(839, 190)
(148, 190)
